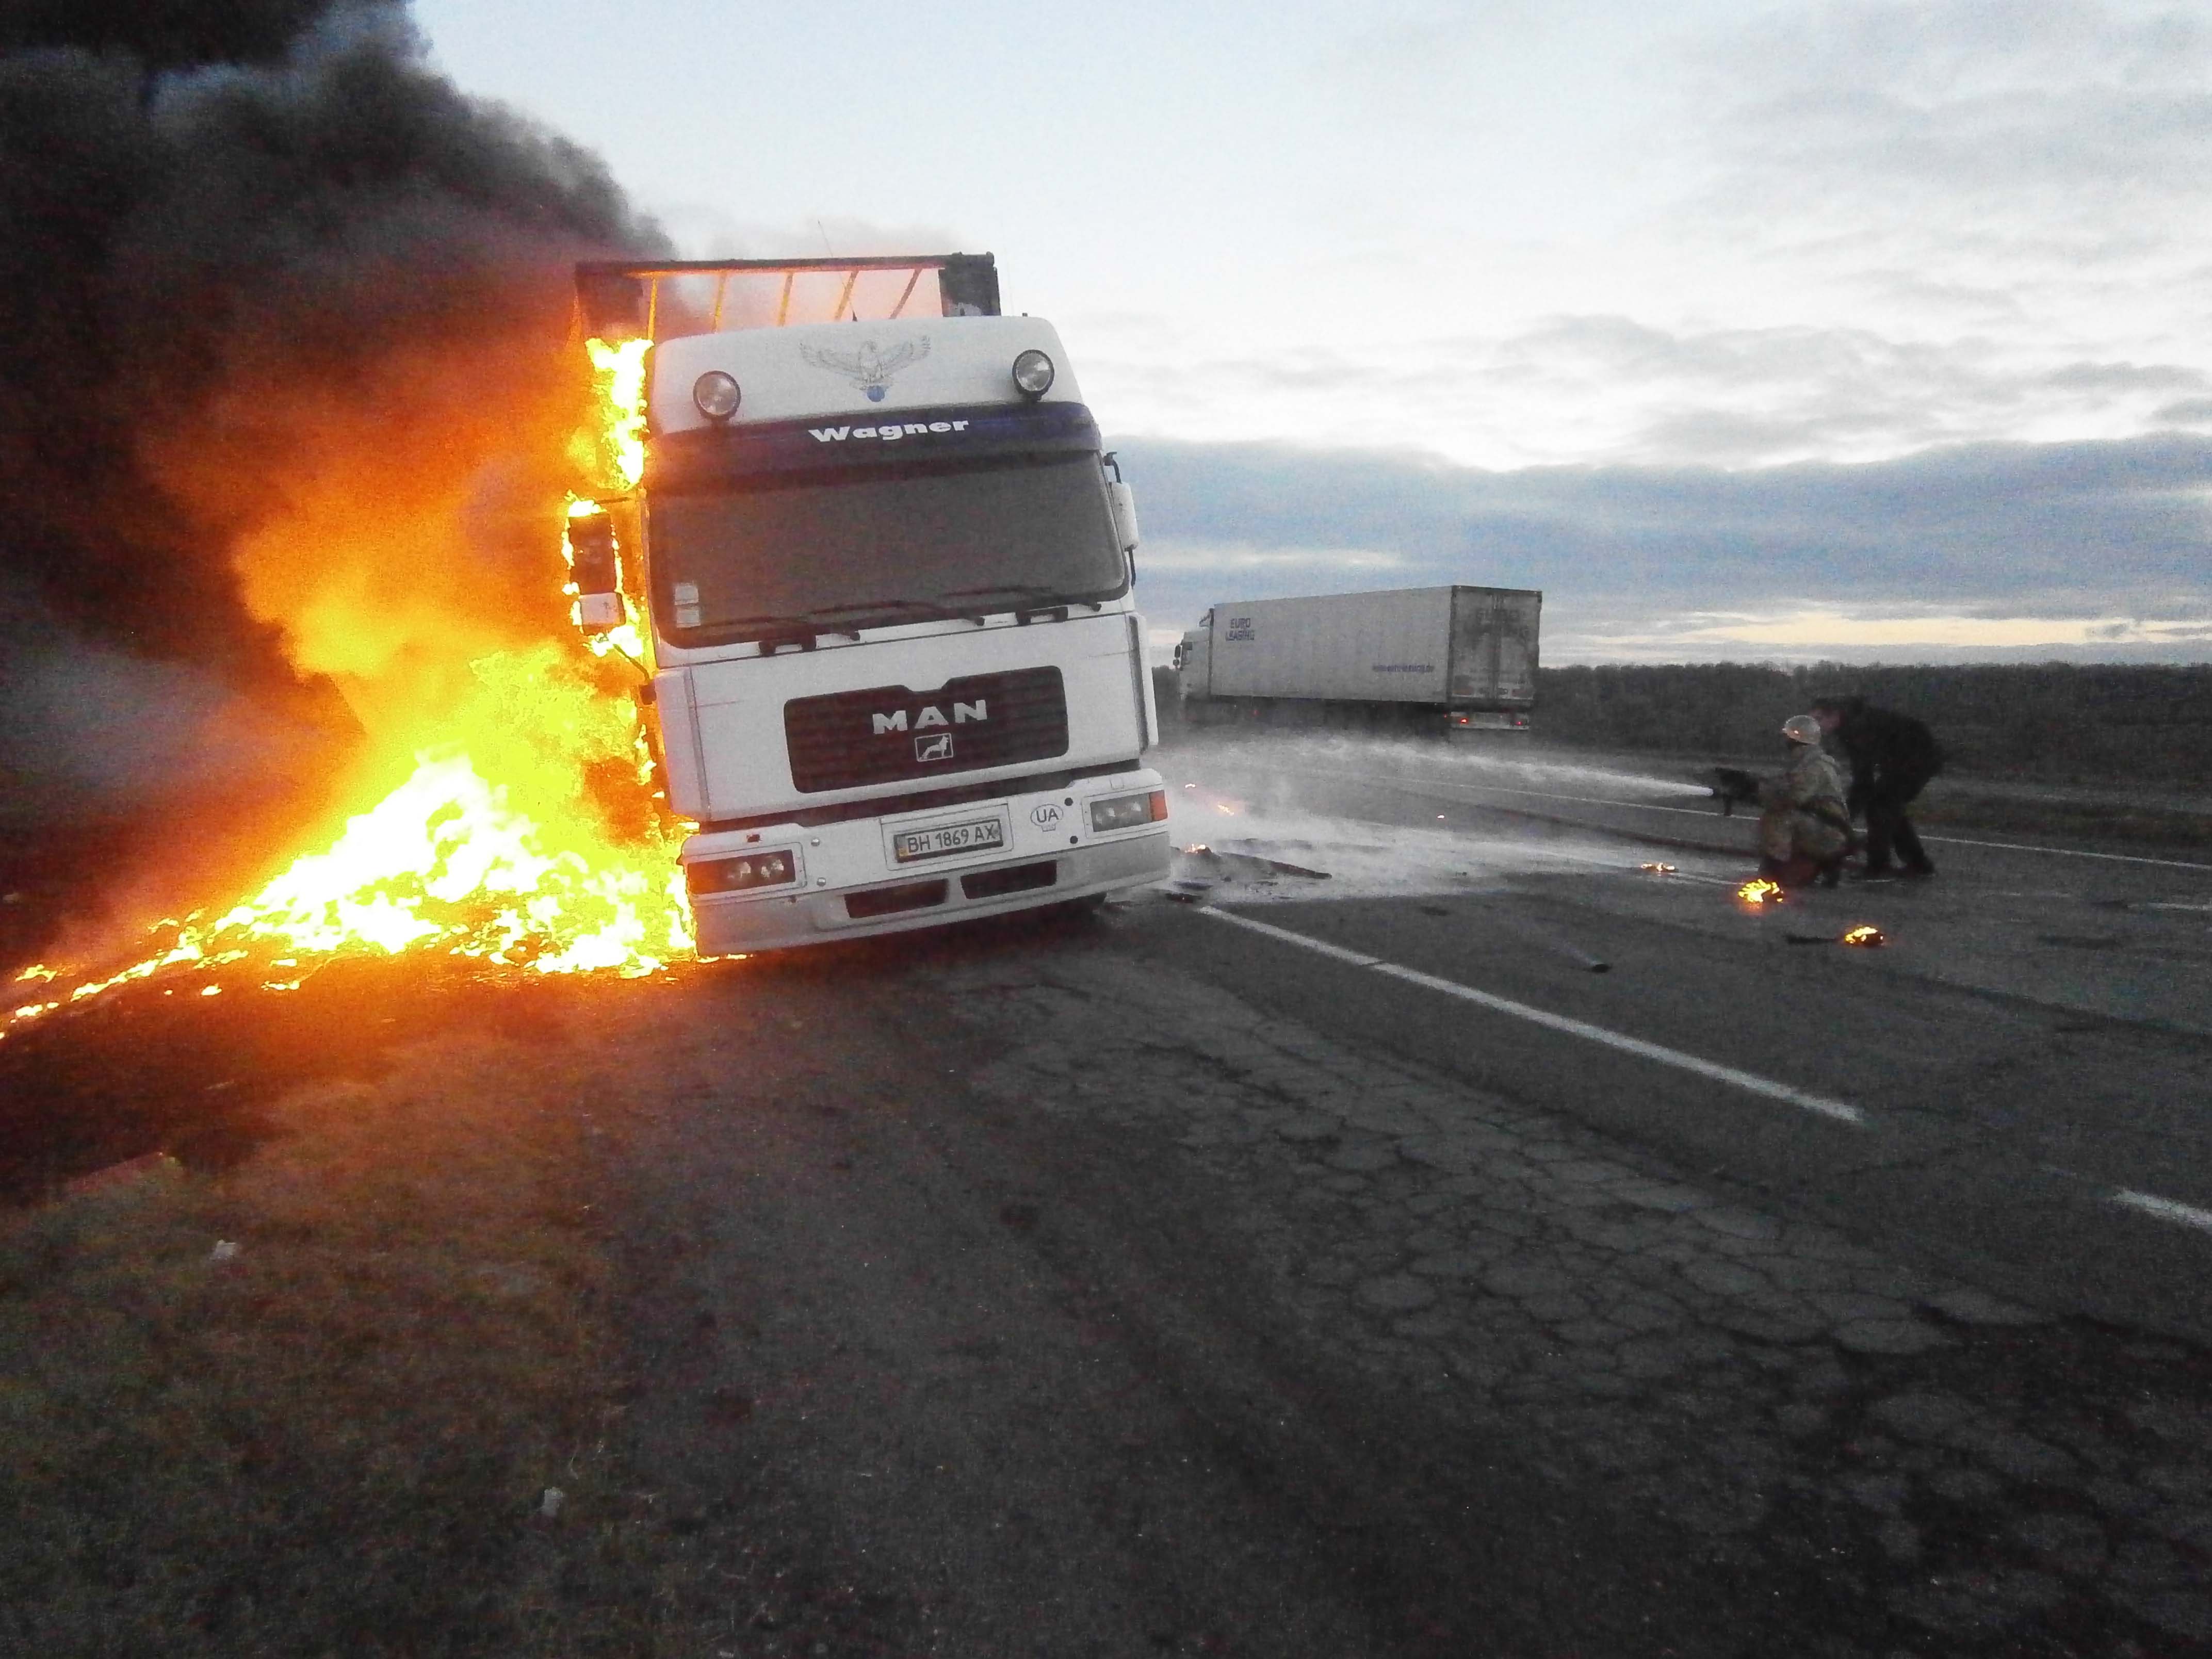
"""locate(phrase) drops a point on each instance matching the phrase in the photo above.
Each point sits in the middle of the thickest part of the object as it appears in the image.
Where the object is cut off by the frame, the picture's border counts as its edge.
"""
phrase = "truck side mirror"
(1125, 515)
(597, 571)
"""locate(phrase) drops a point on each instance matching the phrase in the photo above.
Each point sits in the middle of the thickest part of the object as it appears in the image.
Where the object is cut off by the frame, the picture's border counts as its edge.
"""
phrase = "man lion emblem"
(869, 368)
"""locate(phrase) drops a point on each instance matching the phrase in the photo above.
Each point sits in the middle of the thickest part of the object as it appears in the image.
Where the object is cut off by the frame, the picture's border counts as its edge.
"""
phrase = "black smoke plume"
(207, 207)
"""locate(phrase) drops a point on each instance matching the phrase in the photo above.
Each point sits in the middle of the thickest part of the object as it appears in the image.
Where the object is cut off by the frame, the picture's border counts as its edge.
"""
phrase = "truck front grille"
(890, 734)
(889, 901)
(1010, 878)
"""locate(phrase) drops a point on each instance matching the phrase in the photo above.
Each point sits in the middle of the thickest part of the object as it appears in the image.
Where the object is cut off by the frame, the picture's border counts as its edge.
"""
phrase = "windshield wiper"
(870, 607)
(801, 627)
(1040, 596)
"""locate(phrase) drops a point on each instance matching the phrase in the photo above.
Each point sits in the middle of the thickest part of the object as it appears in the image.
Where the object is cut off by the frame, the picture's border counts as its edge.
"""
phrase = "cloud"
(2010, 541)
(1614, 388)
(2124, 377)
(1995, 115)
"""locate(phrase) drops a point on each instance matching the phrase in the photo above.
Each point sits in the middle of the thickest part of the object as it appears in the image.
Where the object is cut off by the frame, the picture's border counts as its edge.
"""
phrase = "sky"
(1866, 331)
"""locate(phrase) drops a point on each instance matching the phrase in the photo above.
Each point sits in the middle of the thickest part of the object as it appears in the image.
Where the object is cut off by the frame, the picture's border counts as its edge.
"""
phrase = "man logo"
(938, 747)
(963, 713)
(1044, 816)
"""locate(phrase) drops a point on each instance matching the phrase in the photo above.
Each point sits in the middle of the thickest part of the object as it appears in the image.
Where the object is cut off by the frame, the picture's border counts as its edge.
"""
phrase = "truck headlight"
(716, 394)
(1128, 812)
(1033, 373)
(736, 875)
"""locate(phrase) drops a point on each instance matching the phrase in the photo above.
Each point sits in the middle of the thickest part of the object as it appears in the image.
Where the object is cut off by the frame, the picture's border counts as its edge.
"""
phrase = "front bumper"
(849, 883)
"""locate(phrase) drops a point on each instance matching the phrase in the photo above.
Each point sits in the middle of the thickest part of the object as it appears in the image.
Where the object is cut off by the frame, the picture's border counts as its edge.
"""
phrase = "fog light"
(1033, 373)
(717, 395)
(736, 875)
(1128, 812)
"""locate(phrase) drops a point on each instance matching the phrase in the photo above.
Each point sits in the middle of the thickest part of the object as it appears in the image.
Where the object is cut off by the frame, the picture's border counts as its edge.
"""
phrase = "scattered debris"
(226, 1249)
(549, 1504)
(1657, 869)
(1198, 869)
(1865, 936)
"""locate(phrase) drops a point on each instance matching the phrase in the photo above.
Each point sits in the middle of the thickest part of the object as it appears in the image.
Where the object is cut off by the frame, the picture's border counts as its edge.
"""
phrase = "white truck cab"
(897, 672)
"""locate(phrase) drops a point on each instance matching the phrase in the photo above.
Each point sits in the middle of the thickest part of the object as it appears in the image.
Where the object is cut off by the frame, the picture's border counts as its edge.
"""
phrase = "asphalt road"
(1371, 1274)
(1338, 1263)
(2029, 1056)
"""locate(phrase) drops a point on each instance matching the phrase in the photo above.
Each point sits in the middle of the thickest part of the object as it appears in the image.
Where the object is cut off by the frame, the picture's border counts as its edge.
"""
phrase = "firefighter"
(1892, 757)
(1804, 828)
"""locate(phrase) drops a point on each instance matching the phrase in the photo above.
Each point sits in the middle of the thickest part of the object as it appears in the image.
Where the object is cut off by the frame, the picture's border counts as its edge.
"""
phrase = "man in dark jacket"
(1891, 756)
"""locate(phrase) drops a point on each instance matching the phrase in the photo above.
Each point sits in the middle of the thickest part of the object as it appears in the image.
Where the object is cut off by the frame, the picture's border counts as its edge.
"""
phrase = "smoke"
(284, 409)
(285, 396)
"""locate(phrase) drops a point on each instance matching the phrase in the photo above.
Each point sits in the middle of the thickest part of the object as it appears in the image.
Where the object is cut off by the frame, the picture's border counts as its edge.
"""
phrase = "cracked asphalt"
(1384, 1280)
(1115, 1286)
(1779, 1392)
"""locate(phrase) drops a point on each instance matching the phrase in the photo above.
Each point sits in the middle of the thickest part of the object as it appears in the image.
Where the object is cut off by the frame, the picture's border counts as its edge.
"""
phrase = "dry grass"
(338, 1441)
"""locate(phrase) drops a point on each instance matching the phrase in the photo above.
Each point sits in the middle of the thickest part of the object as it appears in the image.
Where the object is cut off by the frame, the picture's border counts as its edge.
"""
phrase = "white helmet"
(1802, 728)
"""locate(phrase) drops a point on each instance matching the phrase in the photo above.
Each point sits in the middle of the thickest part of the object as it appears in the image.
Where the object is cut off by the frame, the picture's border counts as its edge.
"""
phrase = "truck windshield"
(883, 544)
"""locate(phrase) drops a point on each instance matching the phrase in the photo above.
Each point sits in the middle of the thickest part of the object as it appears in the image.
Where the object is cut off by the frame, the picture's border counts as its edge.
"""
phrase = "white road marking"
(2070, 853)
(2165, 1209)
(1840, 1111)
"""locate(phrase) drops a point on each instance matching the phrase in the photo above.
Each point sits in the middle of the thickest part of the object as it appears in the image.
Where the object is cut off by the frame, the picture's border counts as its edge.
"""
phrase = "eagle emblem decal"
(869, 368)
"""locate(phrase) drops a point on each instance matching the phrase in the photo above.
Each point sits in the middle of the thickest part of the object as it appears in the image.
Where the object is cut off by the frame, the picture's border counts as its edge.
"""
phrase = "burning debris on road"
(1864, 937)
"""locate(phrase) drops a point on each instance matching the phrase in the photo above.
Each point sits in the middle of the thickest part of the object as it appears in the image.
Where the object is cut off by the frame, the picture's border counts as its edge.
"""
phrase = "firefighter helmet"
(1802, 728)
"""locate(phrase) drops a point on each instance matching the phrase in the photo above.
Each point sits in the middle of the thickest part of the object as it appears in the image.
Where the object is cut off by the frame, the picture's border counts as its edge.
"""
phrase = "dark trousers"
(1889, 829)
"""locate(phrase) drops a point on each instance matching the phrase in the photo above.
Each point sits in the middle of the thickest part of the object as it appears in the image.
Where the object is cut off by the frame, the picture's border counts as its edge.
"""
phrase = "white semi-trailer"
(897, 674)
(1450, 659)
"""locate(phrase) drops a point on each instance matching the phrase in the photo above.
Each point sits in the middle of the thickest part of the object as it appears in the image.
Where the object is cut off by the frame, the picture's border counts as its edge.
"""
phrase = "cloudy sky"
(1743, 330)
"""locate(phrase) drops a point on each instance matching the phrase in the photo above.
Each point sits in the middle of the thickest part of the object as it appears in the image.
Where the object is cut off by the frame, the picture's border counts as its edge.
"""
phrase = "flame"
(1865, 934)
(526, 832)
(1761, 891)
(618, 388)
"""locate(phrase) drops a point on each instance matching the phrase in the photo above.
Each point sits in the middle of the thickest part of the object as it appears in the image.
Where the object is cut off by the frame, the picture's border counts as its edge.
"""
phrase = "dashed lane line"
(2164, 1209)
(1837, 1110)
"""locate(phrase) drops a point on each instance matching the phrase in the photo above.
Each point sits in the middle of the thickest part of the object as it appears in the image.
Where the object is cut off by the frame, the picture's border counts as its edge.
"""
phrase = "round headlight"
(1033, 373)
(717, 394)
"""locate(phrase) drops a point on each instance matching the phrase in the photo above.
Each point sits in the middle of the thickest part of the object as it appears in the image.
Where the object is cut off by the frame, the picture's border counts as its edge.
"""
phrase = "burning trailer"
(879, 576)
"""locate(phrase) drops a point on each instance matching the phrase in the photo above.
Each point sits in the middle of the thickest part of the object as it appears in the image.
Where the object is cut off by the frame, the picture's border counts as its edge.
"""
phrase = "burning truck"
(876, 575)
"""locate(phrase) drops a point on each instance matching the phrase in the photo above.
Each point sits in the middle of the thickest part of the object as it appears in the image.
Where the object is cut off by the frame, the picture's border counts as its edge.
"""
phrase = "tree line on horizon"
(2052, 722)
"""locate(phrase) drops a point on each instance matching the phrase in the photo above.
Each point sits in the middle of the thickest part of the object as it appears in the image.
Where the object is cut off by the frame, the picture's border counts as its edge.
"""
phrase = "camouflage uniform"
(1801, 812)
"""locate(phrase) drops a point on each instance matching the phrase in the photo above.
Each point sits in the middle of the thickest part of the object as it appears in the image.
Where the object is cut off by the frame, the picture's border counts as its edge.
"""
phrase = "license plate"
(939, 840)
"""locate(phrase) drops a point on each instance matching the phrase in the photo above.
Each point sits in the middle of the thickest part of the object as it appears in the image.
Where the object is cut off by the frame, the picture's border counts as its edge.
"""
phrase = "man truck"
(1451, 661)
(897, 673)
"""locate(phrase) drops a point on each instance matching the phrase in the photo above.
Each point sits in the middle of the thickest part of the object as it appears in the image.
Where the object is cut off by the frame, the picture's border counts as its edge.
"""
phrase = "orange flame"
(1865, 934)
(499, 845)
(1761, 891)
